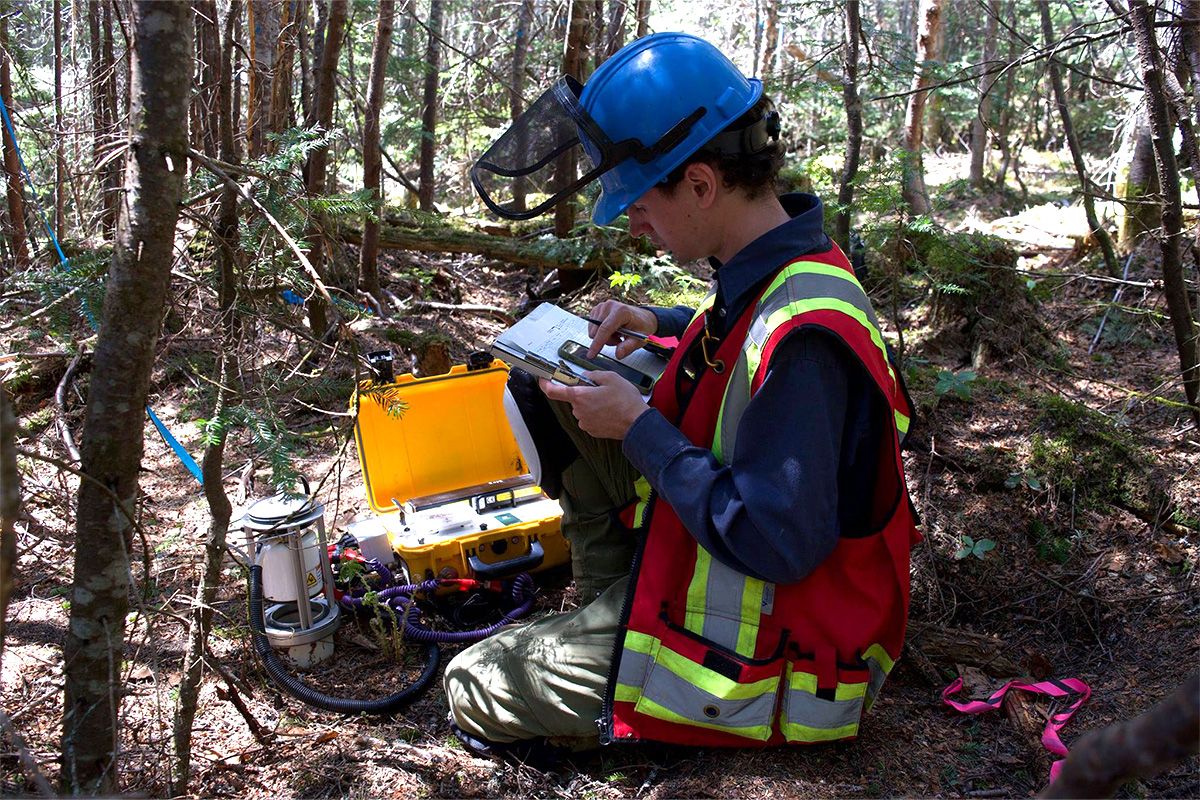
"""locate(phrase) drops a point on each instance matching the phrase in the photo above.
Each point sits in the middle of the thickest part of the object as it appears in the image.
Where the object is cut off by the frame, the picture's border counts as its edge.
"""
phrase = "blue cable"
(184, 456)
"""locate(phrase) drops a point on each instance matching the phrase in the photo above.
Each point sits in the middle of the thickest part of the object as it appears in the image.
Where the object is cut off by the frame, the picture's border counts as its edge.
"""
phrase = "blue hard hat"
(644, 91)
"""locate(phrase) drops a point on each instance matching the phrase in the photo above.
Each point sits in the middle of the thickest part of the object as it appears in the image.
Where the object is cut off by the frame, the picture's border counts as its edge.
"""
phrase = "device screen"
(577, 354)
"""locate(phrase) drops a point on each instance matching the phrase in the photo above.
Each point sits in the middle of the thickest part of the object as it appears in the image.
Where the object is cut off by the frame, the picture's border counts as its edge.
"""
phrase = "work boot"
(536, 753)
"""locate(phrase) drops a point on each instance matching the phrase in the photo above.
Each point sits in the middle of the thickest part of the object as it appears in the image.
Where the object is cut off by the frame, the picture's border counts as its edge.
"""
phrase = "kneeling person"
(758, 502)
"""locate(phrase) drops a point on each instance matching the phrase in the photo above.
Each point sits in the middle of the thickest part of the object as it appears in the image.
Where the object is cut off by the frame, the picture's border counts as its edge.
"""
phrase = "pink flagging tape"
(1066, 687)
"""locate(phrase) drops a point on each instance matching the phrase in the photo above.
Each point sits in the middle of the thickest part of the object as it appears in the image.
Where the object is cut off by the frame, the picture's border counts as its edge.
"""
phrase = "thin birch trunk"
(115, 418)
(913, 189)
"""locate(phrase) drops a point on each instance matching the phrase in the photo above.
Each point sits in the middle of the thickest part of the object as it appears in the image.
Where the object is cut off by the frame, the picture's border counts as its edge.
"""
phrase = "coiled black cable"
(305, 693)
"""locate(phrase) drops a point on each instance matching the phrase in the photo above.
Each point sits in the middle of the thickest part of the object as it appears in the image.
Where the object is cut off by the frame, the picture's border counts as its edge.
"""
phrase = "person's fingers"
(555, 391)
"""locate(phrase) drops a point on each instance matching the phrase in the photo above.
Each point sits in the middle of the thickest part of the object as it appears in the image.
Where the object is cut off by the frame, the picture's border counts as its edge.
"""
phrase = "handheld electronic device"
(576, 353)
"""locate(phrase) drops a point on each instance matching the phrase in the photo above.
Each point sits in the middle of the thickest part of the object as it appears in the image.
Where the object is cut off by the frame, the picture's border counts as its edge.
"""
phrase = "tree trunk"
(516, 94)
(1085, 184)
(614, 38)
(643, 18)
(1190, 33)
(770, 40)
(433, 60)
(112, 437)
(979, 127)
(1006, 111)
(1187, 340)
(913, 190)
(12, 166)
(1138, 187)
(854, 123)
(60, 159)
(368, 268)
(1142, 747)
(205, 136)
(566, 166)
(314, 174)
(263, 22)
(220, 510)
(111, 172)
(318, 47)
(281, 115)
(10, 506)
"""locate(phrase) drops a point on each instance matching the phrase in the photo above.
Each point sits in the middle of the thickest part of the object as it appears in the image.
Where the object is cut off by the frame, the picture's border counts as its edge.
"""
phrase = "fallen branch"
(260, 733)
(432, 305)
(548, 254)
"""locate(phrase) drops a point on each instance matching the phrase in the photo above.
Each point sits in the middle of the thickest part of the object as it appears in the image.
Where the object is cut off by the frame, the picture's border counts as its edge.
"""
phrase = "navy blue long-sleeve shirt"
(805, 462)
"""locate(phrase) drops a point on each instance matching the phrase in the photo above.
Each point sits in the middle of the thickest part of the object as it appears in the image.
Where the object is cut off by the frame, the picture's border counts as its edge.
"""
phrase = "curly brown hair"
(753, 173)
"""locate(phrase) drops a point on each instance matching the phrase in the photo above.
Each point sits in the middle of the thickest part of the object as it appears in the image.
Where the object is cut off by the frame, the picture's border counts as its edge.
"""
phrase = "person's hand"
(606, 410)
(613, 314)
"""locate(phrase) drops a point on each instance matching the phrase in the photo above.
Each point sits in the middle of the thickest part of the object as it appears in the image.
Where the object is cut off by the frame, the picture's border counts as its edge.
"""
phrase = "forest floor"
(1079, 467)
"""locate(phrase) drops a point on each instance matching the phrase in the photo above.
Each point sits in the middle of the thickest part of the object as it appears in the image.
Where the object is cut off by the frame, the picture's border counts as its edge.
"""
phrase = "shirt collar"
(754, 263)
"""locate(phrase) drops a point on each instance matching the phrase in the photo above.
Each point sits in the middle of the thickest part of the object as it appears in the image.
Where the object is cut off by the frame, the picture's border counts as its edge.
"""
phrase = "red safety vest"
(709, 656)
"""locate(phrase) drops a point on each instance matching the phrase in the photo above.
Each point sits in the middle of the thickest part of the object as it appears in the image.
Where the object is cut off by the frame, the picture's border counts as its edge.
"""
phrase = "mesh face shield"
(529, 168)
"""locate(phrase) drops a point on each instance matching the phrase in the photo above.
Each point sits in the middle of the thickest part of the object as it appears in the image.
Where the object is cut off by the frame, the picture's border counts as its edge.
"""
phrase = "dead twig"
(261, 734)
(28, 763)
(60, 407)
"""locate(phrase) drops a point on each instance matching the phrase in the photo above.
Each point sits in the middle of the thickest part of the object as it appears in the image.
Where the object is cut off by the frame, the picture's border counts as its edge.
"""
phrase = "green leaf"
(1012, 481)
(1033, 483)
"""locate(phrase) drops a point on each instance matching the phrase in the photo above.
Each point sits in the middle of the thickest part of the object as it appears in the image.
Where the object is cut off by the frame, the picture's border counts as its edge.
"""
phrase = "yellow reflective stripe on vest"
(697, 593)
(723, 605)
(866, 317)
(799, 287)
(642, 487)
(879, 664)
(705, 305)
(676, 689)
(902, 422)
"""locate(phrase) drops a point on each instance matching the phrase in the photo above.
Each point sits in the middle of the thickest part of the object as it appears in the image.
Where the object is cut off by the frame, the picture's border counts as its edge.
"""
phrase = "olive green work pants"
(546, 678)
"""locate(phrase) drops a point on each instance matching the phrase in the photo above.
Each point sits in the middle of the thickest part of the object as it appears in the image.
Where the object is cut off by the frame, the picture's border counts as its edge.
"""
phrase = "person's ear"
(702, 181)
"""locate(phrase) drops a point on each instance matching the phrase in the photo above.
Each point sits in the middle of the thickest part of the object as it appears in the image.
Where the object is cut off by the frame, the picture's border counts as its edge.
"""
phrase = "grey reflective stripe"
(691, 702)
(634, 666)
(875, 682)
(723, 592)
(800, 286)
(805, 708)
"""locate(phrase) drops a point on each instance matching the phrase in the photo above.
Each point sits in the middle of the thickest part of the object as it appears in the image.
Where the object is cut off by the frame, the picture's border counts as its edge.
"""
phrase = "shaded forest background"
(219, 207)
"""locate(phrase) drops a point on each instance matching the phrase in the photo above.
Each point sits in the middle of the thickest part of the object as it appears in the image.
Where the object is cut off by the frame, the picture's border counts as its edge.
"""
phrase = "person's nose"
(638, 226)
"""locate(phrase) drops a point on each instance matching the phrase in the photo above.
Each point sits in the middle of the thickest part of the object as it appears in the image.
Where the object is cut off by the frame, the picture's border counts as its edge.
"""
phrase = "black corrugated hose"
(305, 693)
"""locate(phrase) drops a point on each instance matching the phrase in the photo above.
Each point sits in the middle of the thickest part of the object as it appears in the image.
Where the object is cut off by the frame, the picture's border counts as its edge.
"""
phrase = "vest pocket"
(686, 682)
(822, 702)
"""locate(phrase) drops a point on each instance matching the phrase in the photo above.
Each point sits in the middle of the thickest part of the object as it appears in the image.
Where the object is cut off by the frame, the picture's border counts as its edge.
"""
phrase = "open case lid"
(419, 437)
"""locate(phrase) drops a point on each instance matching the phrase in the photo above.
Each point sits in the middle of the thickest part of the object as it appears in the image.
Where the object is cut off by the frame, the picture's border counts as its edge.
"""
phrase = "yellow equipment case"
(446, 479)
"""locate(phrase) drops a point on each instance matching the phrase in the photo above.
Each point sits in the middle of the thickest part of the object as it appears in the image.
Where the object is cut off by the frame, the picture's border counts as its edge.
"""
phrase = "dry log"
(953, 646)
(1029, 719)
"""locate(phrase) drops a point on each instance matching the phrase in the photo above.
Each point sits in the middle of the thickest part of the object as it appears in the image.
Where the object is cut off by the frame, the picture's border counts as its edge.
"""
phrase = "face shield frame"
(604, 153)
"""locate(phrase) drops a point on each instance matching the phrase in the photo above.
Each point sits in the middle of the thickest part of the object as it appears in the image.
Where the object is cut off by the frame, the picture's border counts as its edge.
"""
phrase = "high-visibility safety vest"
(706, 655)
